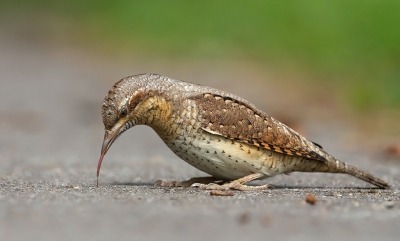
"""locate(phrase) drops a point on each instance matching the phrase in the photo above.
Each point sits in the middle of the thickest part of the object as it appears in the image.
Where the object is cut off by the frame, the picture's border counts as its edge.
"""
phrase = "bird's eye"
(123, 112)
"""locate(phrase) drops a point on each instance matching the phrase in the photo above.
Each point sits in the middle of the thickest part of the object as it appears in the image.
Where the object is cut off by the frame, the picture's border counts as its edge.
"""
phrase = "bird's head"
(120, 111)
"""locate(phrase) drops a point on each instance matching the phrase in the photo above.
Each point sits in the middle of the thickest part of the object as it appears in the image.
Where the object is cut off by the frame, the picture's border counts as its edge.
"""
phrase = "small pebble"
(265, 220)
(244, 218)
(310, 199)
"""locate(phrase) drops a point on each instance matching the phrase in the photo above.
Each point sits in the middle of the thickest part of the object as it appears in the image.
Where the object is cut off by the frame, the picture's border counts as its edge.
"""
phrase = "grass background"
(352, 45)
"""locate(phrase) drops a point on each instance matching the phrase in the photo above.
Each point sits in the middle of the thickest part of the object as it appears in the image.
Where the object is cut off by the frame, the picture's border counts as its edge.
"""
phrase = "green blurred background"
(352, 46)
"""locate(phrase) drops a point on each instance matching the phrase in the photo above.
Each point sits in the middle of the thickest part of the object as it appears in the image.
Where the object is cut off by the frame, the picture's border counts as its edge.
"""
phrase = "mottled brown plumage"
(241, 122)
(214, 131)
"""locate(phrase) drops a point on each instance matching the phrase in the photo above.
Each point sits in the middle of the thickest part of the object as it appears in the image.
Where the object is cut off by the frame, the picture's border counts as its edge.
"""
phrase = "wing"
(240, 121)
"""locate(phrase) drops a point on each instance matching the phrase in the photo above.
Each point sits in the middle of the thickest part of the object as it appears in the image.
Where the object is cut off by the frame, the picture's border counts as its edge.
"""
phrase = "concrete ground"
(50, 138)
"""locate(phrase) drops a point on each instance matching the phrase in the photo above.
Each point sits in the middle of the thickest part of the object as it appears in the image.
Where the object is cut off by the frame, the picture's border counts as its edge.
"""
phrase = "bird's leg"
(238, 184)
(187, 183)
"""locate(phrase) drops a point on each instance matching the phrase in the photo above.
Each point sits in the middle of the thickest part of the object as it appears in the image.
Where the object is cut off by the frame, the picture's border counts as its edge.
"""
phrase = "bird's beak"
(109, 138)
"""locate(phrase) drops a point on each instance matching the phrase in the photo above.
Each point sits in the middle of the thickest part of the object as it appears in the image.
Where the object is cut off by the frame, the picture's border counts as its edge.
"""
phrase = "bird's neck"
(157, 112)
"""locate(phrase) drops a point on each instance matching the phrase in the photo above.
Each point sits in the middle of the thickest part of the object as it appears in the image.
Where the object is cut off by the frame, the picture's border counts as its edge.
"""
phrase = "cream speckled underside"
(222, 157)
(225, 159)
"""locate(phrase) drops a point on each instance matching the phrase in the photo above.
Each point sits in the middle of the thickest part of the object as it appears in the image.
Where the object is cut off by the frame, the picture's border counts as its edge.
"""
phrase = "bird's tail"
(368, 177)
(332, 165)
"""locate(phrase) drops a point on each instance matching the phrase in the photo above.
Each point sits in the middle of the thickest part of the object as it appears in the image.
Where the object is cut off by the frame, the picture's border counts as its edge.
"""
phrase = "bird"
(216, 132)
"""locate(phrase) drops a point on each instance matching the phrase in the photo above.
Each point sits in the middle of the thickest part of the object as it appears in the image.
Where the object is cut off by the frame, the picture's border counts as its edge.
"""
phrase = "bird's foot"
(187, 183)
(238, 184)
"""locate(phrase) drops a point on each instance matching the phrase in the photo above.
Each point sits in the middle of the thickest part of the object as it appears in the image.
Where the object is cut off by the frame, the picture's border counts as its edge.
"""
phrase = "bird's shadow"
(327, 188)
(276, 187)
(137, 184)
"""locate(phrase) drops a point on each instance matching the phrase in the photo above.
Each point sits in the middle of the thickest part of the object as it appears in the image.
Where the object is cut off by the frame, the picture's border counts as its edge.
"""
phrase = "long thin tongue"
(99, 166)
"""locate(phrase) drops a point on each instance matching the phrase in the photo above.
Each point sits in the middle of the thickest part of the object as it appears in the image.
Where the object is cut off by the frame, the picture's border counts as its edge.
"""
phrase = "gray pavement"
(50, 139)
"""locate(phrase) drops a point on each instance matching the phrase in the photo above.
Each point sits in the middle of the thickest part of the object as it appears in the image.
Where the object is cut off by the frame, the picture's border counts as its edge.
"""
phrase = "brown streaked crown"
(117, 96)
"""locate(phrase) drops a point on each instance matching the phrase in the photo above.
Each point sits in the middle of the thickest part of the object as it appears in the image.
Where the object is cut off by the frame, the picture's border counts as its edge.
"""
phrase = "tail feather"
(368, 177)
(332, 165)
